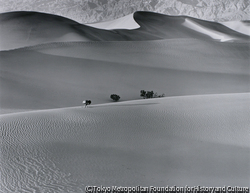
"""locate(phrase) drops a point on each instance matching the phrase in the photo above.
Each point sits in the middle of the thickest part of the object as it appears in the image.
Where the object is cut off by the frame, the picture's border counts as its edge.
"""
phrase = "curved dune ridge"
(210, 32)
(239, 26)
(19, 29)
(126, 22)
(64, 74)
(170, 141)
(22, 29)
(197, 135)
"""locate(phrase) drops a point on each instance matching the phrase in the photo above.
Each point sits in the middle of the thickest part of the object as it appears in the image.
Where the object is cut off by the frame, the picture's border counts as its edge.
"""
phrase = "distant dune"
(223, 37)
(197, 135)
(126, 22)
(105, 10)
(191, 140)
(21, 29)
(239, 26)
(64, 74)
(64, 62)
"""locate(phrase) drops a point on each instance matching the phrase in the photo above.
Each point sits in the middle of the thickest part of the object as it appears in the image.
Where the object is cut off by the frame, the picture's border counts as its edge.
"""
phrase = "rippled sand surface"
(194, 140)
(197, 135)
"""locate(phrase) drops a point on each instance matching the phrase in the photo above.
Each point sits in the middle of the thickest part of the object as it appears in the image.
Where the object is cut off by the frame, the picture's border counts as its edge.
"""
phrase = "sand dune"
(62, 75)
(197, 135)
(239, 26)
(210, 32)
(126, 22)
(22, 29)
(174, 26)
(191, 140)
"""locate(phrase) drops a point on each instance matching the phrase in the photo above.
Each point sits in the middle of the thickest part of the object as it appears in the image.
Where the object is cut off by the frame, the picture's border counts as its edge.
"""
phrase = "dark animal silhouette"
(86, 103)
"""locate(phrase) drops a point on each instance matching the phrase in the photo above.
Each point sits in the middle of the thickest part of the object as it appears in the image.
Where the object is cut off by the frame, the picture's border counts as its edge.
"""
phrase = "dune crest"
(239, 26)
(210, 32)
(196, 135)
(23, 29)
(50, 73)
(173, 141)
(126, 22)
(20, 29)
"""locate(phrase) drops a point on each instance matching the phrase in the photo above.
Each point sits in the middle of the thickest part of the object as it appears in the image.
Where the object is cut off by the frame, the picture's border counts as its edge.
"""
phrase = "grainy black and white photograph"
(124, 96)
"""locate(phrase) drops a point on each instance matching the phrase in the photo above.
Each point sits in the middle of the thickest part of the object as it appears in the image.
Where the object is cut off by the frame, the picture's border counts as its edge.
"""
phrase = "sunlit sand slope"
(165, 26)
(21, 29)
(61, 75)
(191, 140)
(239, 26)
(126, 22)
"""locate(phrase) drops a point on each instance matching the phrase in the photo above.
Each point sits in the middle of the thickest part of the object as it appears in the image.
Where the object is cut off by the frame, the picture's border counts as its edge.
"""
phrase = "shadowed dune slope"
(190, 140)
(166, 26)
(239, 26)
(21, 29)
(64, 74)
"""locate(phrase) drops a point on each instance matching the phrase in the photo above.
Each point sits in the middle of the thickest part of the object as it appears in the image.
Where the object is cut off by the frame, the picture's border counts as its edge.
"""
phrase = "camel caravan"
(86, 103)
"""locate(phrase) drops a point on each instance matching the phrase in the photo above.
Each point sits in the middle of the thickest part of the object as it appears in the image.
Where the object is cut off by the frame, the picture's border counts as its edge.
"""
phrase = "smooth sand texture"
(21, 29)
(197, 135)
(194, 140)
(239, 26)
(126, 22)
(65, 74)
(210, 32)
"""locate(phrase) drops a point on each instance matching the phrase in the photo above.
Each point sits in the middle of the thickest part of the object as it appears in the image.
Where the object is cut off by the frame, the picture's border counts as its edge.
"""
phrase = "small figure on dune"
(86, 103)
